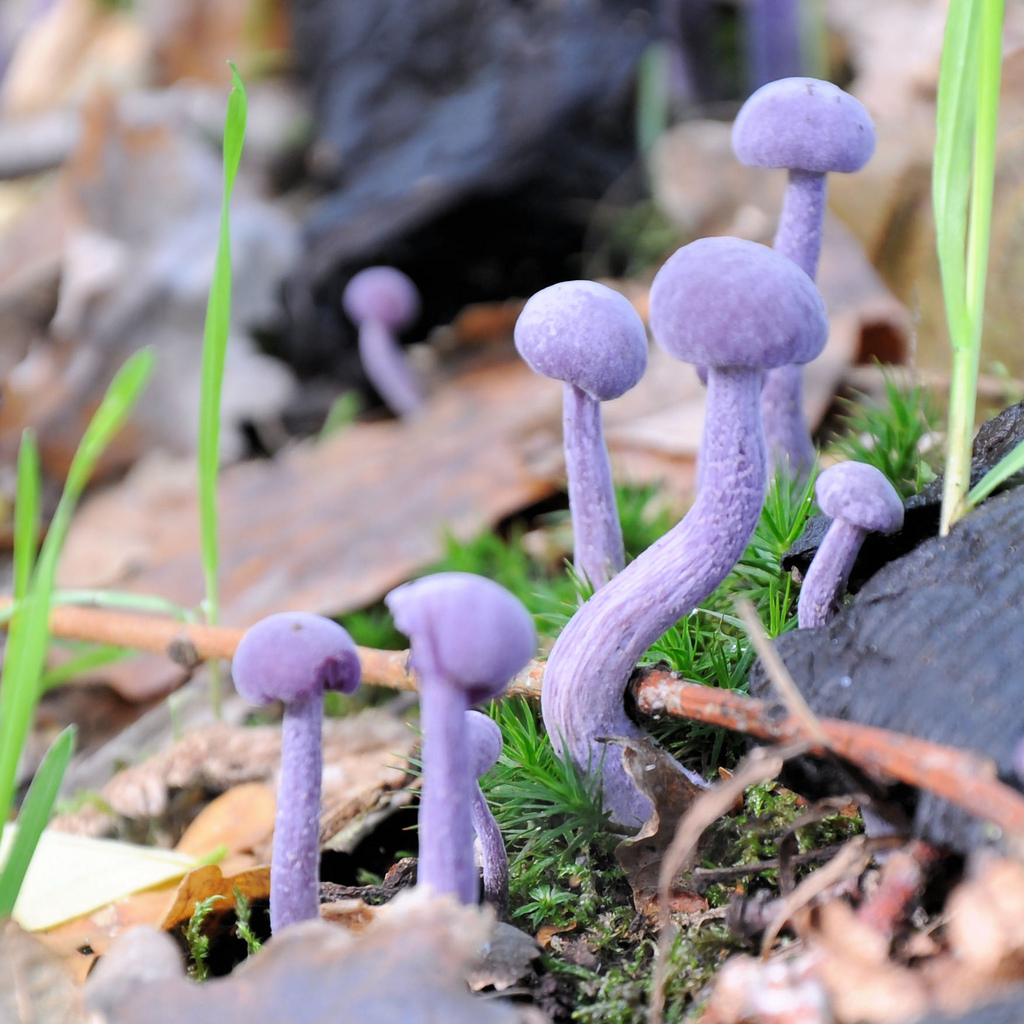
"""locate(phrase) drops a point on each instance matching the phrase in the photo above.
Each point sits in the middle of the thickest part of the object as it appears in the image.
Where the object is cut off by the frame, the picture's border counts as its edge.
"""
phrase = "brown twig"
(962, 777)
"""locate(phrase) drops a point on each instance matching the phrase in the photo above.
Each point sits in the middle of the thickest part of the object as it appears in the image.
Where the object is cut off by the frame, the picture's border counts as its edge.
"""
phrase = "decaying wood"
(962, 777)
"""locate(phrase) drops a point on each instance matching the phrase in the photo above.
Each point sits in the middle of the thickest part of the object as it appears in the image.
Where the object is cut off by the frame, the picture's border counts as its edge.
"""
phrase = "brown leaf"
(241, 820)
(209, 881)
(410, 965)
(657, 776)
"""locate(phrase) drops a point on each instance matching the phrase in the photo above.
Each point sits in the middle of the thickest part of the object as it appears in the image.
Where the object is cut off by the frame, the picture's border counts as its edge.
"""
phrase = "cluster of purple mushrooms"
(748, 317)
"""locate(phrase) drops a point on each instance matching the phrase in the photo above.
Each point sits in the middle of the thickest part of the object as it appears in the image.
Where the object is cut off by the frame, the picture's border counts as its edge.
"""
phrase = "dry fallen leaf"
(34, 984)
(658, 777)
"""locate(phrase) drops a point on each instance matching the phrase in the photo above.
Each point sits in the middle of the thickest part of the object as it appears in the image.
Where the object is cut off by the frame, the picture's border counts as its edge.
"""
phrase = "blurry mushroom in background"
(737, 308)
(485, 744)
(295, 657)
(809, 127)
(381, 301)
(593, 340)
(860, 500)
(468, 637)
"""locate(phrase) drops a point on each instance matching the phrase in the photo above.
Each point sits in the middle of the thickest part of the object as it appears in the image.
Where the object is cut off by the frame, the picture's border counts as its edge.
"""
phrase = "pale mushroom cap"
(384, 295)
(729, 302)
(294, 656)
(465, 628)
(485, 742)
(860, 494)
(584, 333)
(803, 124)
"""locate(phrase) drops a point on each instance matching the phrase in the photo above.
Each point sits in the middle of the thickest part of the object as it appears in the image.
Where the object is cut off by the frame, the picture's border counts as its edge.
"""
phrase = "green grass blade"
(1007, 466)
(27, 640)
(35, 813)
(26, 513)
(215, 339)
(962, 183)
(91, 656)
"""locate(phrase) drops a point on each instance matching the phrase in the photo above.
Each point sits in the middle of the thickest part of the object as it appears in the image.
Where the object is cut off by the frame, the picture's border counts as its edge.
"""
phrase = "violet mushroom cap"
(469, 637)
(485, 743)
(381, 301)
(593, 340)
(860, 500)
(294, 657)
(738, 308)
(809, 127)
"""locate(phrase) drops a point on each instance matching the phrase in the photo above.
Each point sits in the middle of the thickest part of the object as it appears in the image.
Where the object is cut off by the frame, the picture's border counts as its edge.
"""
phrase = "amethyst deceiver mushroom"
(860, 500)
(294, 657)
(484, 750)
(592, 339)
(381, 301)
(809, 127)
(738, 308)
(468, 638)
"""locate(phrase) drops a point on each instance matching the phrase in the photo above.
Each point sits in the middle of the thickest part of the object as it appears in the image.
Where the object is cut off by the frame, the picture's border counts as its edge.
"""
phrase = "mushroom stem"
(825, 582)
(387, 369)
(446, 826)
(493, 855)
(590, 664)
(295, 867)
(597, 535)
(798, 238)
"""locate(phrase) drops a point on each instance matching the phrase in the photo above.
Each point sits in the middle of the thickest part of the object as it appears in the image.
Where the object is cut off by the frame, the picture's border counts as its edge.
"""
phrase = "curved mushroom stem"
(825, 583)
(445, 823)
(590, 664)
(597, 535)
(493, 855)
(387, 369)
(295, 865)
(798, 238)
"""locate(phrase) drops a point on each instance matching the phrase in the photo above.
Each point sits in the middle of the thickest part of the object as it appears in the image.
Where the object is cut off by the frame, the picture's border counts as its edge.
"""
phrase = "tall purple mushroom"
(592, 339)
(484, 750)
(737, 308)
(860, 500)
(295, 657)
(469, 637)
(809, 127)
(380, 302)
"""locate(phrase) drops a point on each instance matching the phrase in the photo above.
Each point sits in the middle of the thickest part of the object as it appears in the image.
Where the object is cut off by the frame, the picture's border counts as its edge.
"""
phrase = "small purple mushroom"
(738, 308)
(469, 637)
(381, 301)
(860, 499)
(809, 127)
(294, 657)
(593, 340)
(484, 750)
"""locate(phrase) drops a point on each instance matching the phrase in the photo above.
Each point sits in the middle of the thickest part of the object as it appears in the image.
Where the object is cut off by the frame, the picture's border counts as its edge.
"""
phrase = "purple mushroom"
(860, 499)
(593, 340)
(809, 127)
(469, 637)
(738, 308)
(484, 750)
(381, 301)
(294, 657)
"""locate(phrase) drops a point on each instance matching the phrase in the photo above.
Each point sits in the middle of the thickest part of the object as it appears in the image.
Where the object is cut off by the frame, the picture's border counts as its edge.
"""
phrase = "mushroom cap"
(382, 294)
(729, 302)
(466, 629)
(485, 742)
(294, 656)
(803, 124)
(859, 494)
(586, 334)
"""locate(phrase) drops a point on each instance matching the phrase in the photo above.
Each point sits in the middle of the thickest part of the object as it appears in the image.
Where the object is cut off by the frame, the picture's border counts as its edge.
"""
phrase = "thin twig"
(964, 778)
